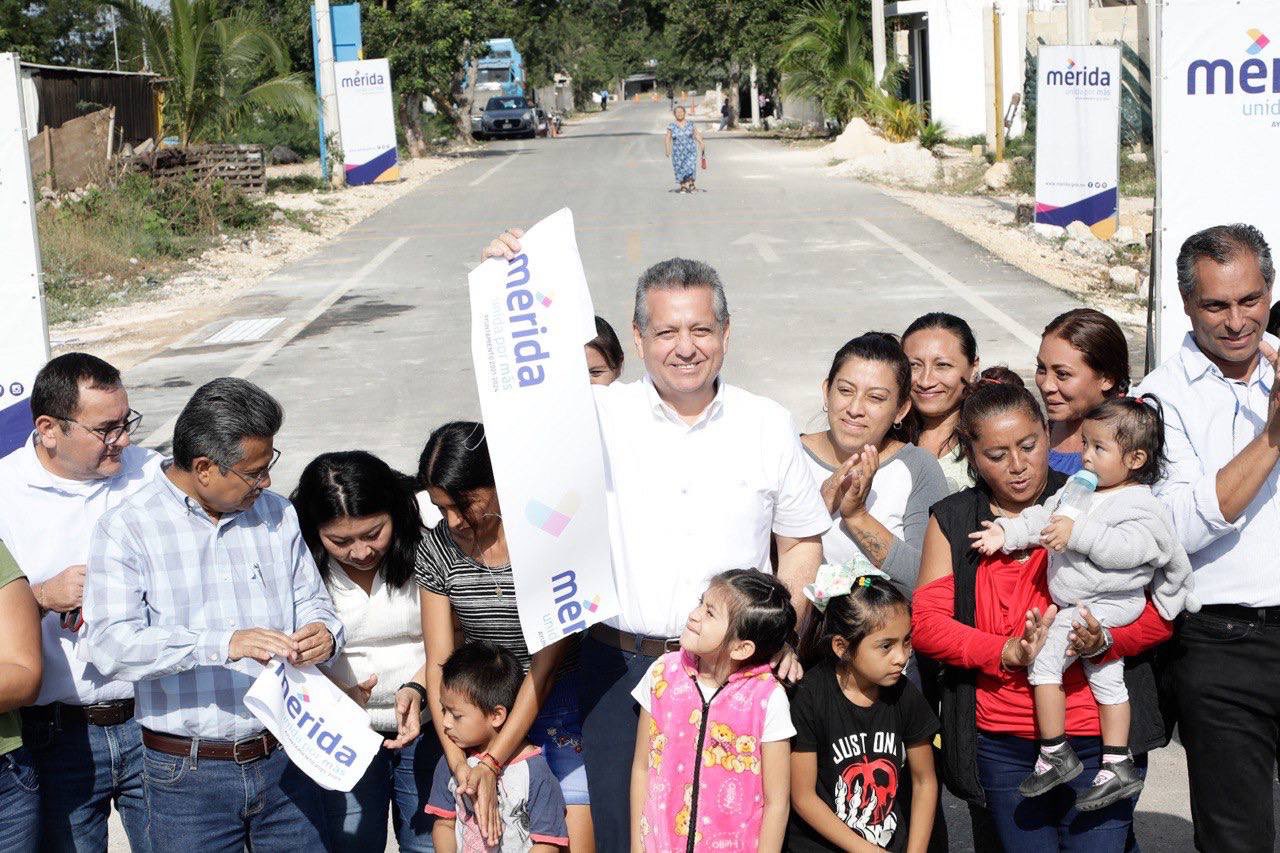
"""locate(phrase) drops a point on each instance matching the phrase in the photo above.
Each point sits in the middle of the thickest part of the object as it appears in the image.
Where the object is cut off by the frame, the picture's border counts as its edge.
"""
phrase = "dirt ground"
(127, 334)
(988, 221)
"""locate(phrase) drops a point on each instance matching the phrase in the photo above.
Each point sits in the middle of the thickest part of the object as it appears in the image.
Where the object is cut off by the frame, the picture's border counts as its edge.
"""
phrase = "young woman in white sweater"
(360, 520)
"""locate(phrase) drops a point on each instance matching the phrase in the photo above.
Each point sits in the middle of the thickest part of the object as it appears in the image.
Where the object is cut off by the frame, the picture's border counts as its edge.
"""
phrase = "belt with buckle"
(652, 647)
(98, 714)
(1258, 615)
(240, 751)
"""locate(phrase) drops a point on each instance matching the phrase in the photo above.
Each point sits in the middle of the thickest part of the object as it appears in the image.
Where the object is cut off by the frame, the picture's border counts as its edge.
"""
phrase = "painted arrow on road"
(761, 244)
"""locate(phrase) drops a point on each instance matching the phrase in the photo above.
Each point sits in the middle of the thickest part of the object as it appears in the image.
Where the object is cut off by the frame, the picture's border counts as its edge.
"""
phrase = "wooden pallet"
(243, 167)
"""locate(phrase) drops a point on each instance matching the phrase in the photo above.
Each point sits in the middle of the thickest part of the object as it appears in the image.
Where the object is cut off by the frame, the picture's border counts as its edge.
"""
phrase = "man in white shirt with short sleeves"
(700, 476)
(1222, 440)
(77, 464)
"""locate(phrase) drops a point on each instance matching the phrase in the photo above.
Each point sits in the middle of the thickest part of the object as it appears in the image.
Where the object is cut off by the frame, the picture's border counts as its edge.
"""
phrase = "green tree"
(220, 70)
(428, 43)
(723, 38)
(827, 57)
(57, 32)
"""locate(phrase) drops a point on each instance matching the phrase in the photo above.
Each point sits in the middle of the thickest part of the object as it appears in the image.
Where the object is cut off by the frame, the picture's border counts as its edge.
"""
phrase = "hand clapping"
(847, 489)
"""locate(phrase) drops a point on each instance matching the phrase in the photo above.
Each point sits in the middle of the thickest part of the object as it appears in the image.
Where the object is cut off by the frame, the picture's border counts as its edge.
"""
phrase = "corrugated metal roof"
(79, 70)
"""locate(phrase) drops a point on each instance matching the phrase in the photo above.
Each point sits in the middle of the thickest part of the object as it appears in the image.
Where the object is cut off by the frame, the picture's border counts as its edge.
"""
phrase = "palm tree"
(827, 57)
(219, 70)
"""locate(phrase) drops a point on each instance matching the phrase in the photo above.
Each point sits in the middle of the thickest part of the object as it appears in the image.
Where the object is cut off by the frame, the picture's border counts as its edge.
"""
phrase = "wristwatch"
(1106, 644)
(417, 688)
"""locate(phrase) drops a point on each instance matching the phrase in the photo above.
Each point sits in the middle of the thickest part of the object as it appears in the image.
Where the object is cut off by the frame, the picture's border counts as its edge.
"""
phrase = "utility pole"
(878, 59)
(115, 42)
(328, 84)
(755, 99)
(997, 80)
(1077, 21)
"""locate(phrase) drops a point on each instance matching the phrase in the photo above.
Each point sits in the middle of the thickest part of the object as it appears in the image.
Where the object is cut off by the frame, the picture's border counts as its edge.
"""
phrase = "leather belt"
(100, 714)
(240, 751)
(651, 647)
(1258, 615)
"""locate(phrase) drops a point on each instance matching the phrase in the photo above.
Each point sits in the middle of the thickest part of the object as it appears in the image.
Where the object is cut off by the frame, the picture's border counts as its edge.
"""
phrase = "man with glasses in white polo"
(77, 464)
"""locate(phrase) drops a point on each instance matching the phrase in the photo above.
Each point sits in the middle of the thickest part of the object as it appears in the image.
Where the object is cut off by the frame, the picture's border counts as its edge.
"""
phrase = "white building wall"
(960, 76)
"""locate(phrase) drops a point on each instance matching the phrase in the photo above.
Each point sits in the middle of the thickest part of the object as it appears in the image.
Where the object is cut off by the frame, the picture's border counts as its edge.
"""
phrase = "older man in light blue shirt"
(192, 583)
(1222, 433)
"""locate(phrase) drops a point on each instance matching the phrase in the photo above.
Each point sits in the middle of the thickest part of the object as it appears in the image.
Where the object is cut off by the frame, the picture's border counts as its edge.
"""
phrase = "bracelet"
(1107, 642)
(417, 688)
(489, 761)
(1003, 666)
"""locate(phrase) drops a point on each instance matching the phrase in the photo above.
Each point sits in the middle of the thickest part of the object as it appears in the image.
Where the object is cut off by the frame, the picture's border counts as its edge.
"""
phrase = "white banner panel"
(530, 318)
(1078, 137)
(1217, 132)
(368, 121)
(24, 340)
(323, 731)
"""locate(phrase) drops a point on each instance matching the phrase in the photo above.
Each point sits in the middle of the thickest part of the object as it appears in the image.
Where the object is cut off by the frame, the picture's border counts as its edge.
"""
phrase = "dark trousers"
(1050, 821)
(609, 737)
(1227, 690)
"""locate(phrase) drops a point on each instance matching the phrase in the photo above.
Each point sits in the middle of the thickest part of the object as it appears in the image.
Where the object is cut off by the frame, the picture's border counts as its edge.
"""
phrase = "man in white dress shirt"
(77, 464)
(701, 476)
(1222, 437)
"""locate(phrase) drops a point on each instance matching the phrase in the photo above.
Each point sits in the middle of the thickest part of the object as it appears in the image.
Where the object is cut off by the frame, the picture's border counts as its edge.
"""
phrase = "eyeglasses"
(255, 480)
(111, 435)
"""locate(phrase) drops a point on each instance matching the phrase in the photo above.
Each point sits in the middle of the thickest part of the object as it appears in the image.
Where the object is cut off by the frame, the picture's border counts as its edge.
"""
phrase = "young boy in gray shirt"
(1104, 550)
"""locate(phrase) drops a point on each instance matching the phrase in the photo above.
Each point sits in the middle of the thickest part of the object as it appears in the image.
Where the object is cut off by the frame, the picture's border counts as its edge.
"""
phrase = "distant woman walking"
(684, 147)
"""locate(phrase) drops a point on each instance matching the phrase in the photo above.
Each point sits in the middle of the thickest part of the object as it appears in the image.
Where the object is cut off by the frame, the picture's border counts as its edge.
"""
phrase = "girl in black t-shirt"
(862, 774)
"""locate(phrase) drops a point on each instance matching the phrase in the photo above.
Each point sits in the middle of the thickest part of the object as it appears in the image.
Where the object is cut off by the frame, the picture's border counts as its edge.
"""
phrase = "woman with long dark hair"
(464, 570)
(360, 520)
(943, 354)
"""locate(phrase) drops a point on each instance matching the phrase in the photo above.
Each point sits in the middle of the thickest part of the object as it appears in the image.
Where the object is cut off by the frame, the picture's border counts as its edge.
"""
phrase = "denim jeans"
(609, 722)
(401, 779)
(83, 769)
(19, 803)
(1050, 821)
(210, 805)
(558, 731)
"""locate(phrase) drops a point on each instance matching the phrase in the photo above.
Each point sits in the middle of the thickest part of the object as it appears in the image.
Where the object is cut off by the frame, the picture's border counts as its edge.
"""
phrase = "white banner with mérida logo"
(1078, 137)
(325, 733)
(530, 318)
(368, 121)
(1217, 92)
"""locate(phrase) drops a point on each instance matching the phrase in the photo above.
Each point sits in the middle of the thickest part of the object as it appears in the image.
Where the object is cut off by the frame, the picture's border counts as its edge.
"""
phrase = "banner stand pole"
(1155, 310)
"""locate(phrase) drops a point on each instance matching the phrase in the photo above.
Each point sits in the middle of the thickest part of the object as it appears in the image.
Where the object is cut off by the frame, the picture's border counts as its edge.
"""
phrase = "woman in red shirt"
(984, 618)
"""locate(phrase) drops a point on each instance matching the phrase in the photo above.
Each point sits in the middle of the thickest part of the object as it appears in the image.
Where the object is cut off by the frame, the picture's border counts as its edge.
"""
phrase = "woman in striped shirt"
(464, 571)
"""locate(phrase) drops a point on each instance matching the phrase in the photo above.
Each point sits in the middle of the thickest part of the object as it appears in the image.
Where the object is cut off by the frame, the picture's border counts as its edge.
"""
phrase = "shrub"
(899, 120)
(106, 244)
(933, 134)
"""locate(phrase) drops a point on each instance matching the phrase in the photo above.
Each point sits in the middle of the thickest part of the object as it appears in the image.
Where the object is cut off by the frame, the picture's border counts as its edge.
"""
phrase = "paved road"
(373, 347)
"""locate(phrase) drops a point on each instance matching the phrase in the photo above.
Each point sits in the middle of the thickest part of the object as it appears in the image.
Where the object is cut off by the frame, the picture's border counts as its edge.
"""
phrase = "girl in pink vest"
(712, 763)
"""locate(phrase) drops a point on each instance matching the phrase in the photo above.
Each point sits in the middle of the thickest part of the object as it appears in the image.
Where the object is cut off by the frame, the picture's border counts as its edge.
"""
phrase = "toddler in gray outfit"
(1105, 553)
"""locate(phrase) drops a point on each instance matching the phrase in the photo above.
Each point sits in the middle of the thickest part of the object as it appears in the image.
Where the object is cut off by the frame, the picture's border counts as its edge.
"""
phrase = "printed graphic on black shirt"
(867, 787)
(863, 775)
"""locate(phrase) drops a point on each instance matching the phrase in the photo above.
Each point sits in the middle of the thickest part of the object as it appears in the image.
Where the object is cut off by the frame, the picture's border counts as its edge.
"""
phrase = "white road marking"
(1024, 335)
(243, 331)
(480, 180)
(760, 242)
(165, 431)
